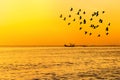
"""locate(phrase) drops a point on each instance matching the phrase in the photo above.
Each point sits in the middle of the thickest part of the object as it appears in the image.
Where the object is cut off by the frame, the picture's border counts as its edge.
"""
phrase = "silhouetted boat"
(70, 45)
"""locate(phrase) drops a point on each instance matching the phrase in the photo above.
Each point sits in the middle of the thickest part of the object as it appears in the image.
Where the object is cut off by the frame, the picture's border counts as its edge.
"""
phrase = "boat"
(70, 45)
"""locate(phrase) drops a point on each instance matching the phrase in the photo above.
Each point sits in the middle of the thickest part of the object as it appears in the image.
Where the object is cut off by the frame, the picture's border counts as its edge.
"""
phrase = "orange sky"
(37, 22)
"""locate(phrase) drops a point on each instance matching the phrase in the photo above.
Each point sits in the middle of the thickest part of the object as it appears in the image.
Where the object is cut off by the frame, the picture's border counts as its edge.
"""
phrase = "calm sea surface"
(60, 63)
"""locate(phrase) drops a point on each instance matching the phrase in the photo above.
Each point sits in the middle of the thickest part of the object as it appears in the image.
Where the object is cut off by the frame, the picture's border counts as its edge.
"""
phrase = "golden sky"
(37, 22)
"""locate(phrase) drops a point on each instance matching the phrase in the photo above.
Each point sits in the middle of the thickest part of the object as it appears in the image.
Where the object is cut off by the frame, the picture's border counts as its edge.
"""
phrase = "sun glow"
(37, 22)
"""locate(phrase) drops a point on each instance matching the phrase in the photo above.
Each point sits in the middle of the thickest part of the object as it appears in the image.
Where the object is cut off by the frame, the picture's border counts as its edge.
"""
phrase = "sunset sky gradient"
(37, 22)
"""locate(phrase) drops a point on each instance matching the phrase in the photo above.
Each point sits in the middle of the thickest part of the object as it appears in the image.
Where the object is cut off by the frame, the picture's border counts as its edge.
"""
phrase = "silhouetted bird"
(69, 23)
(77, 13)
(69, 15)
(80, 22)
(90, 34)
(73, 19)
(97, 13)
(94, 27)
(93, 15)
(71, 9)
(103, 11)
(84, 21)
(91, 19)
(79, 10)
(107, 33)
(98, 35)
(106, 28)
(61, 16)
(109, 24)
(80, 28)
(64, 18)
(80, 17)
(91, 25)
(84, 12)
(85, 32)
(100, 20)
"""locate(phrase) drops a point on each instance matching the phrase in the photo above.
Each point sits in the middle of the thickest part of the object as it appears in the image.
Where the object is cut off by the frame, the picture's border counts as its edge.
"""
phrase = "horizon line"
(59, 45)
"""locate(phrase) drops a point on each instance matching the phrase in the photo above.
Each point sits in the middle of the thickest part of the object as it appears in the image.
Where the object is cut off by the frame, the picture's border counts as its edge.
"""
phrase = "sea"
(59, 63)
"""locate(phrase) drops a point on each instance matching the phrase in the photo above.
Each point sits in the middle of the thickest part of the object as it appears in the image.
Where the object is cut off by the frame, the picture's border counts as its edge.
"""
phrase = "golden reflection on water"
(60, 63)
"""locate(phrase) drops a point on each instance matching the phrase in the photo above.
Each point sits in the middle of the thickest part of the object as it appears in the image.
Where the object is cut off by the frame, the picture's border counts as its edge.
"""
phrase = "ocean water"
(60, 63)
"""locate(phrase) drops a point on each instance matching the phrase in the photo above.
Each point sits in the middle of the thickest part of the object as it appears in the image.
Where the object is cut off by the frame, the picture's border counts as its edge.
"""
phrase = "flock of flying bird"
(84, 21)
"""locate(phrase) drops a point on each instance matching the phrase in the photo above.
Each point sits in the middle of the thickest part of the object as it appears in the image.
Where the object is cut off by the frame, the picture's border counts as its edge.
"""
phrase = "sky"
(37, 22)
